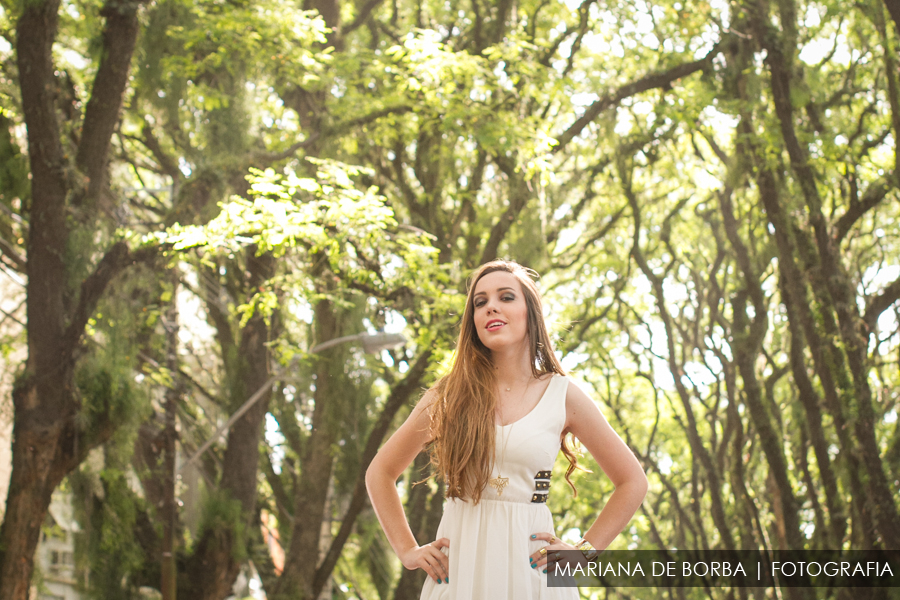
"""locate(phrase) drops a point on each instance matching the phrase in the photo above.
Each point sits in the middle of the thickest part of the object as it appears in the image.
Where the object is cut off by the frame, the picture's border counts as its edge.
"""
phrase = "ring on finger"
(542, 552)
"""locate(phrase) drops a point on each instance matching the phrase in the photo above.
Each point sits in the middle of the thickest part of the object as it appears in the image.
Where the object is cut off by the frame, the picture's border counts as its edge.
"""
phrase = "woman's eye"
(509, 298)
(479, 303)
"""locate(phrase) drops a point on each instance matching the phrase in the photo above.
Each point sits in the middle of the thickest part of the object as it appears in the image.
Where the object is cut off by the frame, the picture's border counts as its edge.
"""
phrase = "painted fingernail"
(439, 582)
(534, 536)
(447, 580)
(545, 570)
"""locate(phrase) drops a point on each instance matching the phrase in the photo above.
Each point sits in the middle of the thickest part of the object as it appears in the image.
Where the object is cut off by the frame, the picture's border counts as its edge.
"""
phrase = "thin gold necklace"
(500, 482)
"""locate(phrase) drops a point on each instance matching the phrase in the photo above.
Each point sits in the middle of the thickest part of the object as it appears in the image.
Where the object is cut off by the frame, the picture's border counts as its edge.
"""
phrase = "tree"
(770, 356)
(708, 192)
(67, 273)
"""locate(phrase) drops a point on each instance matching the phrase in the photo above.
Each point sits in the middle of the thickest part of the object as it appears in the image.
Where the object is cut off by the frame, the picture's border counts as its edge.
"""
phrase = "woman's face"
(501, 315)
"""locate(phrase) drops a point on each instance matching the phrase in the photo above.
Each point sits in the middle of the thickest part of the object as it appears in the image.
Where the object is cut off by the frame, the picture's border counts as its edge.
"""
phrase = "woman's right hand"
(430, 559)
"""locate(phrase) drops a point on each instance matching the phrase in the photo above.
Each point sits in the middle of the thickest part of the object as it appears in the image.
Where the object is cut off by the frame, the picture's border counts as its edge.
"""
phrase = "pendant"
(498, 483)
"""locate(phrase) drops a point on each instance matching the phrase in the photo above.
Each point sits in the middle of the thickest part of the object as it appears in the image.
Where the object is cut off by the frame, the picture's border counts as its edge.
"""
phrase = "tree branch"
(649, 82)
(361, 16)
(341, 128)
(518, 199)
(893, 7)
(113, 262)
(166, 163)
(12, 315)
(880, 303)
(102, 112)
(875, 193)
(270, 157)
(13, 254)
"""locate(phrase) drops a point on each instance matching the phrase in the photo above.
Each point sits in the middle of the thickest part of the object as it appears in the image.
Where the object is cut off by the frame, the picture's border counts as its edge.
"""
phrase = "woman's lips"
(494, 325)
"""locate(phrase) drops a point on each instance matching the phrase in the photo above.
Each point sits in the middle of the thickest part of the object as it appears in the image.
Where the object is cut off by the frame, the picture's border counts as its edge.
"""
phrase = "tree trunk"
(47, 441)
(211, 571)
(838, 295)
(747, 345)
(425, 509)
(746, 351)
(893, 7)
(399, 396)
(794, 284)
(698, 448)
(169, 511)
(317, 464)
(34, 477)
(837, 517)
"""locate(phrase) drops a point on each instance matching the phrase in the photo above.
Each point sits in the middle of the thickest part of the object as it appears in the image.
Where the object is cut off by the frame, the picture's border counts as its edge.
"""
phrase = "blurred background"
(235, 234)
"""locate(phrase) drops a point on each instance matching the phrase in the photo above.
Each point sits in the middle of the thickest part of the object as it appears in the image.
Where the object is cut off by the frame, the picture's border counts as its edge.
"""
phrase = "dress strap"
(553, 404)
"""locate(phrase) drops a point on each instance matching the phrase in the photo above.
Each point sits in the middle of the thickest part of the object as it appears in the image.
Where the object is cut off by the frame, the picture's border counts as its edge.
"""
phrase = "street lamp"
(371, 343)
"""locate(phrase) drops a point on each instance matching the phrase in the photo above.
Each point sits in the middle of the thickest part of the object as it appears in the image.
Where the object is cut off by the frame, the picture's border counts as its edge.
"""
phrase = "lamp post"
(371, 343)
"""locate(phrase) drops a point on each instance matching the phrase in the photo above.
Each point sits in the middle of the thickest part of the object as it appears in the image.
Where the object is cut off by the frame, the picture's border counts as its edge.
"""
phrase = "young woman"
(493, 427)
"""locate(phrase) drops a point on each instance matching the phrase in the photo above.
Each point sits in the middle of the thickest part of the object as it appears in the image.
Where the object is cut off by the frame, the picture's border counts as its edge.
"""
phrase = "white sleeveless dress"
(490, 542)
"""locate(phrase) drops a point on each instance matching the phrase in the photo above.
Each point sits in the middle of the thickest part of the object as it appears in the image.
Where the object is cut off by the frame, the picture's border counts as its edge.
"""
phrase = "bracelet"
(587, 549)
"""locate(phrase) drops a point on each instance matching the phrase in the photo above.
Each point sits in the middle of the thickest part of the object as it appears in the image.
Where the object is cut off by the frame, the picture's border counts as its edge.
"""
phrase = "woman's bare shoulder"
(427, 401)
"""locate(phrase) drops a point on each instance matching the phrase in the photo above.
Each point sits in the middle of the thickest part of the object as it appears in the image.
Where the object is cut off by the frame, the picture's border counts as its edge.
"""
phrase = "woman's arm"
(381, 482)
(584, 419)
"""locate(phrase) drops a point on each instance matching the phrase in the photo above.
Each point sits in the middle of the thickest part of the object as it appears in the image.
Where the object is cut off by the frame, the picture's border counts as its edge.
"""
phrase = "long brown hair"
(462, 415)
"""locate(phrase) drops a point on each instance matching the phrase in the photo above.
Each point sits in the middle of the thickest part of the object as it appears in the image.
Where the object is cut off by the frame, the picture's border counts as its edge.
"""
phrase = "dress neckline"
(535, 407)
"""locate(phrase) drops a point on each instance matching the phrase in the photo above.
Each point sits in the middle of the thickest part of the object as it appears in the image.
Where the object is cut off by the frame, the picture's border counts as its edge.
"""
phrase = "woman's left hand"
(547, 554)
